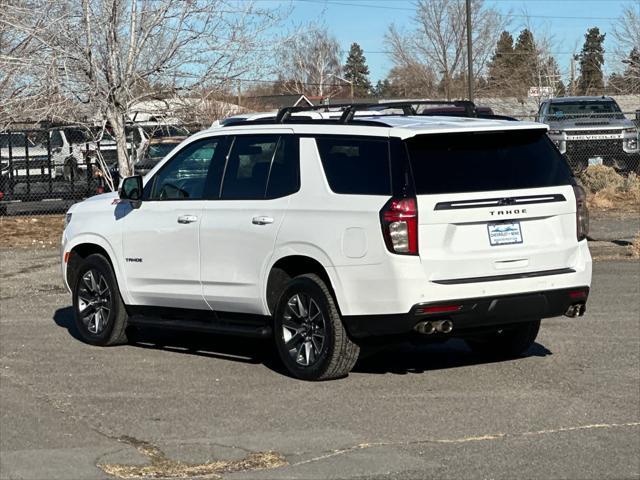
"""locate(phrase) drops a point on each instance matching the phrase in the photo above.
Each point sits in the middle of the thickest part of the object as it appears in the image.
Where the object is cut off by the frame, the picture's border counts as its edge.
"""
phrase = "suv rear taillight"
(399, 218)
(582, 213)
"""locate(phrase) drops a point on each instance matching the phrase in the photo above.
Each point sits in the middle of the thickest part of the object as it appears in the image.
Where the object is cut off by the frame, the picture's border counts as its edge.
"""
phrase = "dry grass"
(40, 231)
(160, 466)
(608, 190)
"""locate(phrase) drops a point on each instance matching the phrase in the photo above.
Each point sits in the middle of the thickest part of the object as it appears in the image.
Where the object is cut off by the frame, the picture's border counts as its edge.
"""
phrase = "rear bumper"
(471, 313)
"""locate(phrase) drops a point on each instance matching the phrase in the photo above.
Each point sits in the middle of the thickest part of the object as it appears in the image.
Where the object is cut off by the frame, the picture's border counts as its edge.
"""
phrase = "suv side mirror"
(131, 189)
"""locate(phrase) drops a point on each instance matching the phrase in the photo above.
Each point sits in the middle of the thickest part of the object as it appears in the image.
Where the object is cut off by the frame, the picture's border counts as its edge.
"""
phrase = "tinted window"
(133, 135)
(56, 139)
(476, 162)
(284, 177)
(247, 169)
(78, 135)
(184, 176)
(356, 165)
(14, 139)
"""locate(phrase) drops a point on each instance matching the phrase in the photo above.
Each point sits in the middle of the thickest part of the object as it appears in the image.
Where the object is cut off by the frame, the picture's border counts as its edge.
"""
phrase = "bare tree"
(626, 31)
(438, 40)
(28, 79)
(309, 62)
(106, 54)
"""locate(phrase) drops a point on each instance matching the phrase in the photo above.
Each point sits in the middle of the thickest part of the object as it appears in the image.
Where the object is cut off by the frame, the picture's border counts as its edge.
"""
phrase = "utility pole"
(573, 74)
(469, 52)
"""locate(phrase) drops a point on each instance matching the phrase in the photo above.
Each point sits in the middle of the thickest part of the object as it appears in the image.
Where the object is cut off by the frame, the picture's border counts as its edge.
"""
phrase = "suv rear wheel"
(101, 318)
(310, 338)
(508, 342)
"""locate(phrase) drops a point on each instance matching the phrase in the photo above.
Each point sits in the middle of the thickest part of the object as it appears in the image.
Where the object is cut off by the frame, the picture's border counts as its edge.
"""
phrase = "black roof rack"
(349, 110)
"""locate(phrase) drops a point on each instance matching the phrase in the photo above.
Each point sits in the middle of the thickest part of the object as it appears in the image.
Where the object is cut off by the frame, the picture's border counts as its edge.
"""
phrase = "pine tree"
(382, 89)
(591, 60)
(356, 71)
(501, 64)
(525, 65)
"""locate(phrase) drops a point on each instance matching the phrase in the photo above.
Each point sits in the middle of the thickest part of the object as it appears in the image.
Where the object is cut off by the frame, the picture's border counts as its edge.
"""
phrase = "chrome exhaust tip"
(571, 312)
(426, 328)
(446, 326)
(576, 310)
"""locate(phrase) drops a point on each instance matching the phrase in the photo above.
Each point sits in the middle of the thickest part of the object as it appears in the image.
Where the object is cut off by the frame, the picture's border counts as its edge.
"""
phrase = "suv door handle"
(262, 220)
(187, 219)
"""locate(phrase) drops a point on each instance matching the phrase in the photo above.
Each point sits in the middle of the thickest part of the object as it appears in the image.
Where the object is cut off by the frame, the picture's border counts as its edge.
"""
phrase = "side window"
(356, 165)
(185, 175)
(56, 139)
(248, 164)
(284, 176)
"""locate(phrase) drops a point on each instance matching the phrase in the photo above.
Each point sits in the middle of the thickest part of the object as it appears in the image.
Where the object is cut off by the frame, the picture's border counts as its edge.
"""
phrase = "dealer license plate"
(504, 233)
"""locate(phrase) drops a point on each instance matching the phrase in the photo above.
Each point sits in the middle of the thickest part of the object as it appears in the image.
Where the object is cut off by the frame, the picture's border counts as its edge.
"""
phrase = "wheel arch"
(89, 245)
(292, 265)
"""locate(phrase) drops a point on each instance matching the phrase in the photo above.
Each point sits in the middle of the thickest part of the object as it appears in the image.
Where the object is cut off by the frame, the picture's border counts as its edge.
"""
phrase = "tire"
(105, 325)
(309, 336)
(510, 342)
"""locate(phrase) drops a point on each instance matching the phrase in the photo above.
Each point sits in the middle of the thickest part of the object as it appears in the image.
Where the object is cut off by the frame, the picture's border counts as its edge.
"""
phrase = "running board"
(218, 327)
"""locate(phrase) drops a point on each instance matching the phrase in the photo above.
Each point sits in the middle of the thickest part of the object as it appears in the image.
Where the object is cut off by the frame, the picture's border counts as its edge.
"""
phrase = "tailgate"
(497, 233)
(492, 204)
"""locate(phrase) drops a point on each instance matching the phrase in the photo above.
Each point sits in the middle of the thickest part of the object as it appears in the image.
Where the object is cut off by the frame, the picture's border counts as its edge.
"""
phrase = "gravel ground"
(170, 403)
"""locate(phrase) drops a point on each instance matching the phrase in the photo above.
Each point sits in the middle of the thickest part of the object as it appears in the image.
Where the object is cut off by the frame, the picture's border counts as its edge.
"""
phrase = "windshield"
(160, 150)
(14, 139)
(78, 135)
(606, 108)
(485, 161)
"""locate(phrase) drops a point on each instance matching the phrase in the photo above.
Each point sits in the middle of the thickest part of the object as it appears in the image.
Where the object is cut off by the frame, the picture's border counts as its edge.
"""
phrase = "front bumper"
(472, 314)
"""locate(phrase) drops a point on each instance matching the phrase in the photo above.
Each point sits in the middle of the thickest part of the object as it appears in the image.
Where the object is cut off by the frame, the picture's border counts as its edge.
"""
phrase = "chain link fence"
(608, 139)
(44, 170)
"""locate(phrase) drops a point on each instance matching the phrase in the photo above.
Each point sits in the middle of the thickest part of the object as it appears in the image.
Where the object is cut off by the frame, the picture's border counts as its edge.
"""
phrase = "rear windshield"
(479, 161)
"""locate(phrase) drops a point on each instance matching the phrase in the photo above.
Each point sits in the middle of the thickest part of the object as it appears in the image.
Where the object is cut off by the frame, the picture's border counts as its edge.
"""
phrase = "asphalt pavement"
(570, 409)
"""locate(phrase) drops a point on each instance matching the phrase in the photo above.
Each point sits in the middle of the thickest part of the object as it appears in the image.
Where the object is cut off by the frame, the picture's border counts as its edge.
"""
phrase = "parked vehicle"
(592, 131)
(155, 150)
(326, 235)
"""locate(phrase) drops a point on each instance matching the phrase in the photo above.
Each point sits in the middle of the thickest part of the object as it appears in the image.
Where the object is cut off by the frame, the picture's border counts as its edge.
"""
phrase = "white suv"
(324, 234)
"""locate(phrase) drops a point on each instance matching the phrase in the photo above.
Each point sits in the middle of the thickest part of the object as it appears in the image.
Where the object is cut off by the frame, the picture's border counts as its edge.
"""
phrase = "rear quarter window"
(485, 161)
(356, 165)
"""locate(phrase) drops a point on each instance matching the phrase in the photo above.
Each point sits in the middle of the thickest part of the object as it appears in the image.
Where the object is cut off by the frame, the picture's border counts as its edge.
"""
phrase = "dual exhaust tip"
(576, 310)
(429, 328)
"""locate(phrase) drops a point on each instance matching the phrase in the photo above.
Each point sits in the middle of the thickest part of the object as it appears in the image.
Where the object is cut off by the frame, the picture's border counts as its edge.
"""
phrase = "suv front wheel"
(101, 318)
(310, 338)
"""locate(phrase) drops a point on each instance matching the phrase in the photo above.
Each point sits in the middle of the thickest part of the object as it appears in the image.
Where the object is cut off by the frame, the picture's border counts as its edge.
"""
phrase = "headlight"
(67, 219)
(555, 132)
(630, 130)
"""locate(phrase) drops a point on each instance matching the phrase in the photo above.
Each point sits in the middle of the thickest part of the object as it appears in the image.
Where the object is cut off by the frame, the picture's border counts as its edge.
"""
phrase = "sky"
(366, 21)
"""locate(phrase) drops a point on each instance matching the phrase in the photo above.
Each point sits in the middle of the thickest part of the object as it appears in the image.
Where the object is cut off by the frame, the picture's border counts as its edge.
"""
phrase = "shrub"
(599, 177)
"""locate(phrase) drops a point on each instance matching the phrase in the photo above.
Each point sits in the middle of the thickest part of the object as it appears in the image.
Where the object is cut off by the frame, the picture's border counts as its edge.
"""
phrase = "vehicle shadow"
(238, 349)
(419, 358)
(399, 359)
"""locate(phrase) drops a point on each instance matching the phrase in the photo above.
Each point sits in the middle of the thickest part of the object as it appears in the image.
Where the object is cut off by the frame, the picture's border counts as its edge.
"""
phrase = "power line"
(387, 7)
